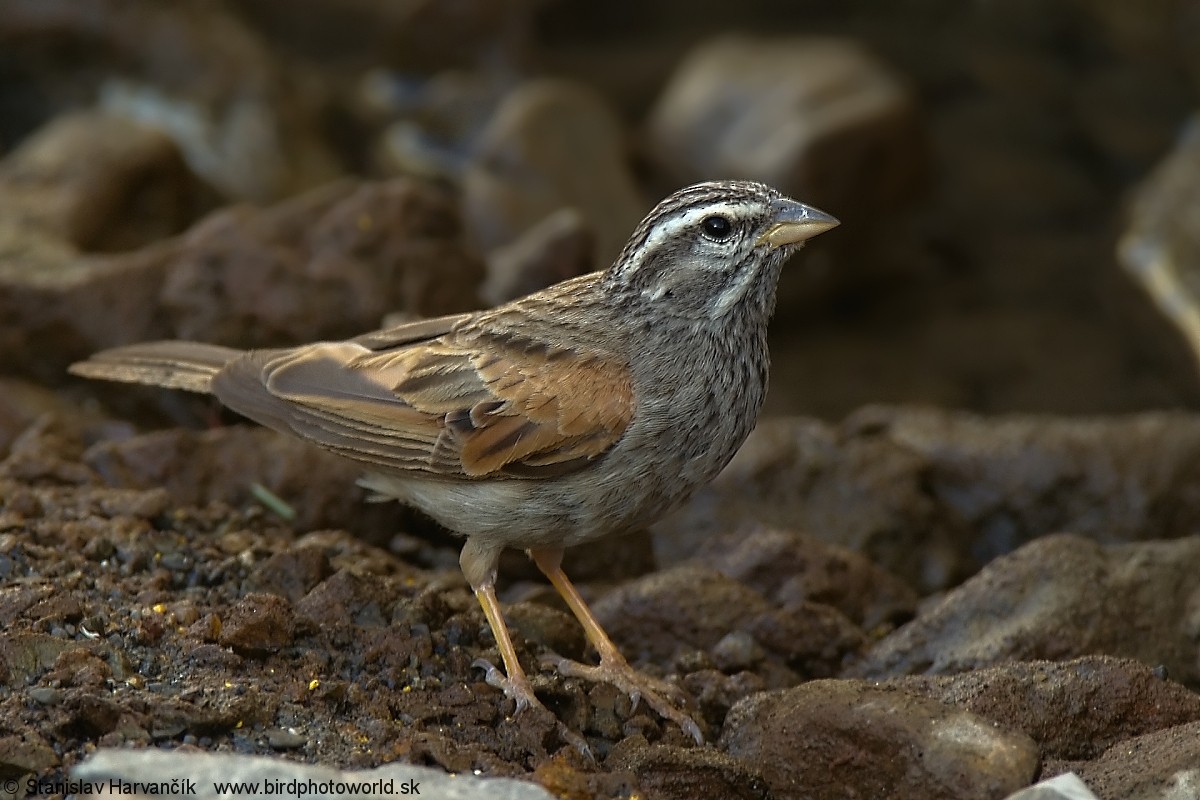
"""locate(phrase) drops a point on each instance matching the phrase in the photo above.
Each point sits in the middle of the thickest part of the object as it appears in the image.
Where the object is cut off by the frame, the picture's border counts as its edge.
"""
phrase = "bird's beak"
(795, 223)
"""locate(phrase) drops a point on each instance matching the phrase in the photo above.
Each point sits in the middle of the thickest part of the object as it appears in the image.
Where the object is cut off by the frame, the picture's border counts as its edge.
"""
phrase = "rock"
(345, 599)
(1062, 787)
(22, 755)
(559, 247)
(204, 770)
(551, 145)
(830, 738)
(324, 265)
(664, 771)
(90, 182)
(1072, 709)
(1160, 247)
(791, 567)
(820, 118)
(245, 119)
(1158, 766)
(931, 495)
(223, 464)
(1058, 597)
(258, 623)
(687, 608)
(292, 573)
(328, 263)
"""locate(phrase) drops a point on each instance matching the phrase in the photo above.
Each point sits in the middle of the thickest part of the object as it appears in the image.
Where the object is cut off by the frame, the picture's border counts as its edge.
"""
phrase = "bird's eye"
(717, 227)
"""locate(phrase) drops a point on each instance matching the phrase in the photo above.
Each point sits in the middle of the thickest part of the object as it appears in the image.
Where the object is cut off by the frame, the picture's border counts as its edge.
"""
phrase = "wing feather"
(466, 403)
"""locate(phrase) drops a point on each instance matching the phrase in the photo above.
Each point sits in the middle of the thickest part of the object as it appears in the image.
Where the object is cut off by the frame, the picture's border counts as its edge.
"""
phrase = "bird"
(590, 407)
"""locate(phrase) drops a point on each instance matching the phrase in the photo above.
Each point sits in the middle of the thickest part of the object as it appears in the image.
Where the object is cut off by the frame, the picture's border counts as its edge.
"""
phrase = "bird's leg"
(479, 566)
(513, 683)
(478, 562)
(613, 668)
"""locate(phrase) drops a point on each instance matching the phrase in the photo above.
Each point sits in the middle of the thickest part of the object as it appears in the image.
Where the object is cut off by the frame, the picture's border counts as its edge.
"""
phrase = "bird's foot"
(633, 683)
(521, 691)
(517, 687)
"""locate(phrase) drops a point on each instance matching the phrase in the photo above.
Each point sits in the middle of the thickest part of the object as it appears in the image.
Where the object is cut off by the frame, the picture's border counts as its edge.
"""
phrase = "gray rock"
(197, 776)
(831, 738)
(1059, 597)
(1160, 247)
(819, 118)
(1067, 786)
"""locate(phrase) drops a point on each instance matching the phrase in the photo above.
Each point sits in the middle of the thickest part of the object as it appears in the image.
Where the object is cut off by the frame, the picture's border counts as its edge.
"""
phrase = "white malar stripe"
(735, 291)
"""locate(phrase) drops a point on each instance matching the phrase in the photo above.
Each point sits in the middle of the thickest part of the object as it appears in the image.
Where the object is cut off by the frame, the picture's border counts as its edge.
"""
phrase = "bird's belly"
(563, 512)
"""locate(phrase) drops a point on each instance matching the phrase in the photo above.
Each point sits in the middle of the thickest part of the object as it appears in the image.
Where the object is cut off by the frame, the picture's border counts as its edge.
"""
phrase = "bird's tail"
(175, 365)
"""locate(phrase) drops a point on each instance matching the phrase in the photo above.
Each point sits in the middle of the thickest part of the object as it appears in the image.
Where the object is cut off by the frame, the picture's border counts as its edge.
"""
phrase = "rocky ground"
(958, 558)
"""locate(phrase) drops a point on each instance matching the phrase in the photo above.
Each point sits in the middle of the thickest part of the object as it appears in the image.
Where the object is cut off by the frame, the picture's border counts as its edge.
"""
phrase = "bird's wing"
(468, 403)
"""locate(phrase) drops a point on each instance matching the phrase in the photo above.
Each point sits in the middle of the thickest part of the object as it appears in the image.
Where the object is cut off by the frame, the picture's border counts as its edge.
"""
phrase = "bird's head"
(714, 247)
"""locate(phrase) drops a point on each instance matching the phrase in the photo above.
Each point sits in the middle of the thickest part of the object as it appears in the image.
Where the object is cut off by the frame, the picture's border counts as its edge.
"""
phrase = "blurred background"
(1017, 180)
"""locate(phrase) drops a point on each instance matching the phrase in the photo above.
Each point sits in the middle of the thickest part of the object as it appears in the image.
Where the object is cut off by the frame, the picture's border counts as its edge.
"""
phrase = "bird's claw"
(524, 699)
(634, 684)
(520, 691)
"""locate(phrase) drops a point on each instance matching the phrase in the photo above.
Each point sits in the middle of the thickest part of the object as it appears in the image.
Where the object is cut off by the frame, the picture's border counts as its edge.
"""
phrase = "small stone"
(45, 695)
(258, 622)
(292, 573)
(285, 739)
(25, 754)
(737, 651)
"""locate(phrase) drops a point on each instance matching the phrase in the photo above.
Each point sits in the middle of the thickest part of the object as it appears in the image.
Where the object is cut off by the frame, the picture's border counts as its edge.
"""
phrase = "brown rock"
(827, 739)
(99, 183)
(292, 573)
(259, 622)
(821, 119)
(346, 599)
(325, 264)
(664, 771)
(1059, 597)
(791, 567)
(683, 607)
(246, 119)
(222, 464)
(25, 754)
(687, 608)
(1072, 709)
(1157, 766)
